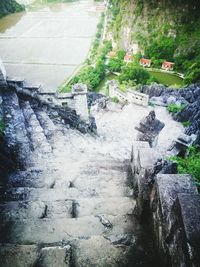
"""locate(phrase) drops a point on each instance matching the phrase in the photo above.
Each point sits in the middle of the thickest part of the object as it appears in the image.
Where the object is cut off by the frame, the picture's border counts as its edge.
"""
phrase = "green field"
(167, 78)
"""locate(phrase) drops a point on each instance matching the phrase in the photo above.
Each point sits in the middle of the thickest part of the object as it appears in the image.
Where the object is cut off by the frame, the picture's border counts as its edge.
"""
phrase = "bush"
(186, 124)
(134, 73)
(173, 108)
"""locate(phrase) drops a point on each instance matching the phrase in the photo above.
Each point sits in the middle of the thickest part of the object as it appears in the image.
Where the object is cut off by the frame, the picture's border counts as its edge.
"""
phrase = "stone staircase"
(62, 209)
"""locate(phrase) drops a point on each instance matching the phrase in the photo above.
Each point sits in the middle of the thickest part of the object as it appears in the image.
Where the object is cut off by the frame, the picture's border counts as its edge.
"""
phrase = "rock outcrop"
(149, 128)
(188, 97)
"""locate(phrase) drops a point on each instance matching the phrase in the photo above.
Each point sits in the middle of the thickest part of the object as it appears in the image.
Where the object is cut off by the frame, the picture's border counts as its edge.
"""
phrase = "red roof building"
(128, 58)
(145, 62)
(168, 65)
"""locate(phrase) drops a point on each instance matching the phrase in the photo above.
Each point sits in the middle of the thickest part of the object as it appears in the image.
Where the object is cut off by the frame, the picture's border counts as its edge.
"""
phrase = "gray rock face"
(184, 236)
(188, 96)
(170, 205)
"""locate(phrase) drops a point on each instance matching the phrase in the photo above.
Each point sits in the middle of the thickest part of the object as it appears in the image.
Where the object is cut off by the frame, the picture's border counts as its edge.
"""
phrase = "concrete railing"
(130, 96)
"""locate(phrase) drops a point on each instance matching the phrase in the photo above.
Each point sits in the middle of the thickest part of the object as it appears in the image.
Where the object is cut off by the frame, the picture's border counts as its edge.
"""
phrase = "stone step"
(112, 206)
(93, 251)
(36, 134)
(70, 176)
(19, 210)
(45, 194)
(15, 131)
(54, 133)
(30, 231)
(35, 178)
(31, 255)
(47, 124)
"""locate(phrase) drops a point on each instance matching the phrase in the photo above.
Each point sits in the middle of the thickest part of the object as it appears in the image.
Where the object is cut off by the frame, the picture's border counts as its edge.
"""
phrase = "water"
(47, 43)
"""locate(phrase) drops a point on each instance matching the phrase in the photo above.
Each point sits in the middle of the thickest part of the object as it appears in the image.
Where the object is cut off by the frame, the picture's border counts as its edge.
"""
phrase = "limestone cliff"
(9, 6)
(166, 30)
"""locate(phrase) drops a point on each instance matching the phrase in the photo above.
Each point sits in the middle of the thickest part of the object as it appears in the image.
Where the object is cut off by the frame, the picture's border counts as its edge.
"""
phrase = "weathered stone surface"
(187, 96)
(149, 128)
(98, 251)
(99, 99)
(55, 256)
(126, 239)
(168, 186)
(183, 240)
(18, 255)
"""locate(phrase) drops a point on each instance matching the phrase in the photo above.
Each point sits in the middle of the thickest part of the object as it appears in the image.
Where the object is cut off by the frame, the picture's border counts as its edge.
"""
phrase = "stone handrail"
(130, 96)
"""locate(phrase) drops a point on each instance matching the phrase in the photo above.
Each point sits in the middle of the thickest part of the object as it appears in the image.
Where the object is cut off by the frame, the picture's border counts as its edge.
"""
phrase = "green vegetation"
(186, 124)
(92, 74)
(173, 108)
(132, 72)
(116, 64)
(9, 6)
(190, 164)
(115, 99)
(165, 31)
(2, 127)
(97, 40)
(102, 87)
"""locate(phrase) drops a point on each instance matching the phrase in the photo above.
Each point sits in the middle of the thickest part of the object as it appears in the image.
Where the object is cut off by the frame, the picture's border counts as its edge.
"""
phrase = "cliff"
(164, 30)
(9, 6)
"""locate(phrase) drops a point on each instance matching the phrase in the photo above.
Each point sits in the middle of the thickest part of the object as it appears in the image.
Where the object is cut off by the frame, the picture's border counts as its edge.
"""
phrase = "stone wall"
(130, 96)
(76, 100)
(171, 204)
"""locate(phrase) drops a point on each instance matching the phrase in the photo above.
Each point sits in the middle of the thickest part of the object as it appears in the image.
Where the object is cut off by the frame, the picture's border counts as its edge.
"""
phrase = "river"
(46, 44)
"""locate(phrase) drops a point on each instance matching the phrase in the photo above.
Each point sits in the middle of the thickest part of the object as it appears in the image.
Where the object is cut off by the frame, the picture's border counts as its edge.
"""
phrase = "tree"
(115, 64)
(134, 73)
(163, 47)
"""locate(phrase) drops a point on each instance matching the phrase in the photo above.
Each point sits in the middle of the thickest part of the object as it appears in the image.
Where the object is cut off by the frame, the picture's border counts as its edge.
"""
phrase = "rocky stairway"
(66, 208)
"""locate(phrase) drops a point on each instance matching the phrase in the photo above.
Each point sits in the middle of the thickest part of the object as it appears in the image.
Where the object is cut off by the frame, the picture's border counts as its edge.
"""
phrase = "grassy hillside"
(9, 6)
(165, 30)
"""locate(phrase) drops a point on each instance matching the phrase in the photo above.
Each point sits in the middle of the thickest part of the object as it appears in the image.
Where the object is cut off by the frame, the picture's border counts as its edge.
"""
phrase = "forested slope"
(165, 30)
(9, 6)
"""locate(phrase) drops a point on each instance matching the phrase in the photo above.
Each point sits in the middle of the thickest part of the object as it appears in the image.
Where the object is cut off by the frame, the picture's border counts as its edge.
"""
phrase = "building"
(128, 58)
(167, 65)
(145, 62)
